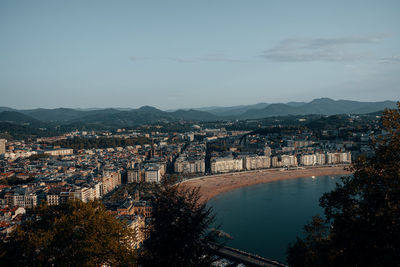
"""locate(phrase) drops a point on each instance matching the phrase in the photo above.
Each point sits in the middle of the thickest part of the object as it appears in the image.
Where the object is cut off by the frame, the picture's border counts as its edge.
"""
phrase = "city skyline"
(179, 54)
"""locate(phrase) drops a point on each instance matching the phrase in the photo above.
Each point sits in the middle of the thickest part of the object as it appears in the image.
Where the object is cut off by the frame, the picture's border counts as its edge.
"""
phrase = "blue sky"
(176, 54)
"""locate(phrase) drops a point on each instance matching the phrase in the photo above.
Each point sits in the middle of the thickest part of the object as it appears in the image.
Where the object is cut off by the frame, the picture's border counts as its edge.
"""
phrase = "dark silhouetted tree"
(71, 234)
(179, 234)
(362, 213)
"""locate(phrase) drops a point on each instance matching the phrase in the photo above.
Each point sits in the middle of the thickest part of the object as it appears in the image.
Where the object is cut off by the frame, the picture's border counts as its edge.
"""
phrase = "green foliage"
(71, 234)
(179, 233)
(102, 142)
(313, 250)
(363, 212)
(15, 181)
(38, 156)
(12, 131)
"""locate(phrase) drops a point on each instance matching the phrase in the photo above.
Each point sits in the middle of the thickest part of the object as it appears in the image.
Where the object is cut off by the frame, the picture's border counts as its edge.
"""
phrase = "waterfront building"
(284, 161)
(308, 160)
(226, 164)
(320, 159)
(256, 162)
(188, 165)
(338, 157)
(289, 160)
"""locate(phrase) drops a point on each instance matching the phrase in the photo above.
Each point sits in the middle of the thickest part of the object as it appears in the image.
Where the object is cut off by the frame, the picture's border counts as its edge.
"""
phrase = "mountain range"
(146, 114)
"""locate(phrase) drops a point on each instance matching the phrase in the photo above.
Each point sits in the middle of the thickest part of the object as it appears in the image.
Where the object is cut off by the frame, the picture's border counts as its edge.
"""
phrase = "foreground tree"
(179, 234)
(71, 234)
(362, 213)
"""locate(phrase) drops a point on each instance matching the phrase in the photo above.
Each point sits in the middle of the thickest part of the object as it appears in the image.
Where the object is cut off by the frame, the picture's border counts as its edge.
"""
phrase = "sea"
(264, 218)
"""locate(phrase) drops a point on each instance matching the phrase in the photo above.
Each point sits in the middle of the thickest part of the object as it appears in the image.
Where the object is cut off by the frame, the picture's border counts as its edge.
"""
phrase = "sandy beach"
(211, 186)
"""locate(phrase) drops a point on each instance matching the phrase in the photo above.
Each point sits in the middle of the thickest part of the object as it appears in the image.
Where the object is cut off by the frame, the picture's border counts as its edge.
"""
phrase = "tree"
(362, 213)
(71, 234)
(179, 234)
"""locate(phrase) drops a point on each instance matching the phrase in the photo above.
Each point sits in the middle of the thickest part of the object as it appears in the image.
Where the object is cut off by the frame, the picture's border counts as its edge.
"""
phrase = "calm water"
(265, 218)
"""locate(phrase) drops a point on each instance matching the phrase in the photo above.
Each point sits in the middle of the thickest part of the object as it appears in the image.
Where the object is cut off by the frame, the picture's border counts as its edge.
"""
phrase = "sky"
(180, 54)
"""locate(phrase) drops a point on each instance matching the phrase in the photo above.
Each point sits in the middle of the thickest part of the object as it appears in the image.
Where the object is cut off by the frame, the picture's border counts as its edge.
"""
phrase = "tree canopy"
(180, 232)
(101, 142)
(70, 234)
(362, 214)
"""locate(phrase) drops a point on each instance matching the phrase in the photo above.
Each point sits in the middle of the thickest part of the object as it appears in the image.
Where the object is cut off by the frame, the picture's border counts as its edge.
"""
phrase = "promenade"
(244, 257)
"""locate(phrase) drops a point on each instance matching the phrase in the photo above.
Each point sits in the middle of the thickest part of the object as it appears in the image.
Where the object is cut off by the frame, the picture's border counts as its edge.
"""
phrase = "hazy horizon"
(180, 54)
(184, 108)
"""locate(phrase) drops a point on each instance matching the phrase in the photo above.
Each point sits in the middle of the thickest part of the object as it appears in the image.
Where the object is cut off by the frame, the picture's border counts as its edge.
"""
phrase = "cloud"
(391, 59)
(182, 60)
(322, 49)
(208, 58)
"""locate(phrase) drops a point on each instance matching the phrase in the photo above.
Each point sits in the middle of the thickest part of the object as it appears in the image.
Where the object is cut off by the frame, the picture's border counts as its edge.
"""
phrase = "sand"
(211, 186)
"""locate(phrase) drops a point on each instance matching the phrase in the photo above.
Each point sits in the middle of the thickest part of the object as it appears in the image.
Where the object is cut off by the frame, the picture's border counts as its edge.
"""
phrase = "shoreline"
(211, 186)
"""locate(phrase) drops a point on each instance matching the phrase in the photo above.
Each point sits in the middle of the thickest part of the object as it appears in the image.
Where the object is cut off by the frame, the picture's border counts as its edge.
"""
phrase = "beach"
(211, 186)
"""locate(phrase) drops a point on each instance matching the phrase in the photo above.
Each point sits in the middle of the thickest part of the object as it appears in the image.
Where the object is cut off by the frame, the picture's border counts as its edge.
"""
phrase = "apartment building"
(188, 165)
(256, 162)
(227, 164)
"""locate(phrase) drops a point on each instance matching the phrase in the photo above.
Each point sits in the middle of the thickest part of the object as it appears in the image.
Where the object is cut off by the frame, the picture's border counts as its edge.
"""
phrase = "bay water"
(263, 219)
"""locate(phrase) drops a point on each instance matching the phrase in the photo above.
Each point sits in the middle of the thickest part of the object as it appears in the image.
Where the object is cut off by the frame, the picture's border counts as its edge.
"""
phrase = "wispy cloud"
(182, 60)
(322, 49)
(207, 58)
(135, 58)
(391, 59)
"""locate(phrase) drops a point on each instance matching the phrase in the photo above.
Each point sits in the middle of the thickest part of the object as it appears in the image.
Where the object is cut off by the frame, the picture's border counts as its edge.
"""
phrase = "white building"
(308, 160)
(339, 157)
(289, 160)
(59, 152)
(184, 165)
(320, 159)
(256, 162)
(226, 165)
(284, 161)
(152, 174)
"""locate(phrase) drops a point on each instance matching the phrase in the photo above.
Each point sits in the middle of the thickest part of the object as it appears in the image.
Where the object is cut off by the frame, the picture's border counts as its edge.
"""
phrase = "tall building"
(188, 165)
(3, 146)
(228, 164)
(256, 162)
(308, 160)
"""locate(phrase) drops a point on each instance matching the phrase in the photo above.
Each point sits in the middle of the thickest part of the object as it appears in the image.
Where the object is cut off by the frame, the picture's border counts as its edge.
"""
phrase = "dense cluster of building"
(55, 174)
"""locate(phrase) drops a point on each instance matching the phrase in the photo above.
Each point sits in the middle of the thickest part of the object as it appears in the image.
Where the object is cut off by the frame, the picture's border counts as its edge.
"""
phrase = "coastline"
(211, 186)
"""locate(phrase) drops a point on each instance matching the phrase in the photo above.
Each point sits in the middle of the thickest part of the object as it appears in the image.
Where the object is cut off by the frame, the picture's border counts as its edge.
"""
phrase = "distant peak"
(147, 108)
(322, 100)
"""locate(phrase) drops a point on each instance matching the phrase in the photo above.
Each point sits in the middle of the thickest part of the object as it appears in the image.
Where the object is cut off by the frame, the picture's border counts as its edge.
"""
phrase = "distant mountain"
(143, 115)
(323, 106)
(232, 111)
(67, 117)
(7, 109)
(194, 115)
(19, 118)
(295, 104)
(58, 114)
